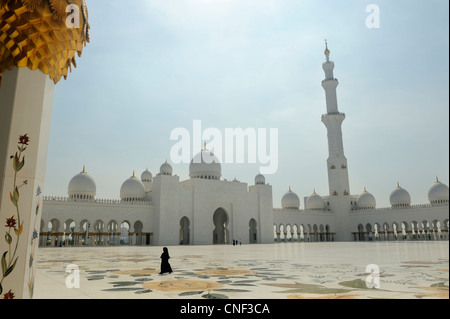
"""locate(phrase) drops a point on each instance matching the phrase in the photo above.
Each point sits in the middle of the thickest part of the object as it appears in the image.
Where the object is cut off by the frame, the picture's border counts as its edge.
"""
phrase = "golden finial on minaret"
(290, 189)
(398, 185)
(133, 175)
(327, 52)
(314, 192)
(437, 180)
(84, 169)
(365, 191)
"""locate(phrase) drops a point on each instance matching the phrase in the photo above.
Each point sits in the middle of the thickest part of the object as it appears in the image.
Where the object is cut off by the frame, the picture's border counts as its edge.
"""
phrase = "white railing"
(95, 201)
(285, 210)
(400, 207)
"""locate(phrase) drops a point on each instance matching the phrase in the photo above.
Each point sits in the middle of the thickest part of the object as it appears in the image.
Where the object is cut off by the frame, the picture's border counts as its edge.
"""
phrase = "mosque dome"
(438, 193)
(400, 197)
(290, 200)
(315, 202)
(146, 176)
(205, 165)
(366, 200)
(132, 189)
(166, 169)
(82, 186)
(260, 179)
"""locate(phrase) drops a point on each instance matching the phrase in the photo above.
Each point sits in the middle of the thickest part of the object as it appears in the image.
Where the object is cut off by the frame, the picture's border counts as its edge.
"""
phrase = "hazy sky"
(156, 65)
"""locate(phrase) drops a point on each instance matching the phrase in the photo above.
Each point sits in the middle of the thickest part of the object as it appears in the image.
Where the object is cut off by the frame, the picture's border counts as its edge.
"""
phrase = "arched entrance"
(220, 233)
(184, 231)
(252, 232)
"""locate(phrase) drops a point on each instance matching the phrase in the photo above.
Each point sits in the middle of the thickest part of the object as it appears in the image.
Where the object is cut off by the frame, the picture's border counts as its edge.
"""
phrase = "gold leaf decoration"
(59, 7)
(32, 4)
(34, 34)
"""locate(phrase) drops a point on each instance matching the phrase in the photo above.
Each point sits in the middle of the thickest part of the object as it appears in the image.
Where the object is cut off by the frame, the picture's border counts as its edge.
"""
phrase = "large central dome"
(205, 165)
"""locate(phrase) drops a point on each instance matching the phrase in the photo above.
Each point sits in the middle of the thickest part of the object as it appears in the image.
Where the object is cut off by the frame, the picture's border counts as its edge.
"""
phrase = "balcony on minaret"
(337, 117)
(330, 83)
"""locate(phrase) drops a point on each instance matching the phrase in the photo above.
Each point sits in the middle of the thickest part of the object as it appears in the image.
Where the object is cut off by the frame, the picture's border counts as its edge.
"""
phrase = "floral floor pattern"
(397, 270)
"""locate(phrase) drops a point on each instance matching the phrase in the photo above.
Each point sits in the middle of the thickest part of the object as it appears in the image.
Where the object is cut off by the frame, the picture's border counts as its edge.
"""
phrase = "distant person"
(165, 266)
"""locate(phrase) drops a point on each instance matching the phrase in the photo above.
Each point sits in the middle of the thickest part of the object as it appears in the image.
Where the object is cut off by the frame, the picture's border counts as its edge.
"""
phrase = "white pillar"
(26, 99)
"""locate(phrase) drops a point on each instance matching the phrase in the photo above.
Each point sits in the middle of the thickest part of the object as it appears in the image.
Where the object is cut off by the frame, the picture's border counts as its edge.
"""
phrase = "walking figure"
(165, 266)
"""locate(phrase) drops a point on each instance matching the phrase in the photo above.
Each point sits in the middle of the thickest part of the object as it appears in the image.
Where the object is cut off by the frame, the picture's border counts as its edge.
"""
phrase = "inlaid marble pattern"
(413, 270)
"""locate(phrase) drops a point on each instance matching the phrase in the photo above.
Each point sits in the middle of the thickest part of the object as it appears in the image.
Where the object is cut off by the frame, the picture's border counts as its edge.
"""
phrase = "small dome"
(260, 179)
(166, 169)
(315, 202)
(82, 186)
(400, 197)
(438, 193)
(132, 189)
(205, 165)
(366, 200)
(290, 200)
(146, 176)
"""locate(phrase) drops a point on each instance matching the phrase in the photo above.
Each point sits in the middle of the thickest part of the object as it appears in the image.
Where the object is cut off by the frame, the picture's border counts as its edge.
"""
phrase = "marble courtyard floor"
(408, 270)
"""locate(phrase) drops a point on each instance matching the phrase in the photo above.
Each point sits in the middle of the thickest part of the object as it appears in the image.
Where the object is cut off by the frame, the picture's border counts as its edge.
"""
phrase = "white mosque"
(205, 209)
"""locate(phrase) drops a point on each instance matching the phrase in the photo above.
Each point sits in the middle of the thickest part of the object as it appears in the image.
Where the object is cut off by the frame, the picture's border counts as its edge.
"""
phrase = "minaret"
(337, 163)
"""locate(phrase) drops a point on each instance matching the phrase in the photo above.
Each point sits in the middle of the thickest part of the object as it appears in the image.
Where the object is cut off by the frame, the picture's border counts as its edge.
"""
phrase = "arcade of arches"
(424, 230)
(58, 233)
(100, 233)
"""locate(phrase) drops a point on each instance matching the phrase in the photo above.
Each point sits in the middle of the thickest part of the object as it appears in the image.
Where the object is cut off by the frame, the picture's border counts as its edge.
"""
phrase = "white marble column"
(26, 99)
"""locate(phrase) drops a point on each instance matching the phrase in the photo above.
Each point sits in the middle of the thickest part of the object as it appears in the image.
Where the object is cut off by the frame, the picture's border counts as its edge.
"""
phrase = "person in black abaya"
(165, 266)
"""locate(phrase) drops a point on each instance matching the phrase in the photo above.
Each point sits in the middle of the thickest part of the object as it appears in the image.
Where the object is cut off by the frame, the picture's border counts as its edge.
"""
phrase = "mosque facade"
(205, 209)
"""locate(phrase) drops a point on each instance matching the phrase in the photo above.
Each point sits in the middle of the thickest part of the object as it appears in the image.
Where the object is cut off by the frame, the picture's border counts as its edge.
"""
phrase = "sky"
(156, 65)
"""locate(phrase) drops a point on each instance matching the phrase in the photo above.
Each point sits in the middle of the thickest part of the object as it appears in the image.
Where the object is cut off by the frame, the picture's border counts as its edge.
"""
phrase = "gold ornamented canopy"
(33, 33)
